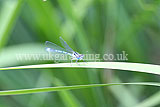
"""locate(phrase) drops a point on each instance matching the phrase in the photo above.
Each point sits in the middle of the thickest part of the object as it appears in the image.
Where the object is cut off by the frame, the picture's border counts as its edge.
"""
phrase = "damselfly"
(53, 48)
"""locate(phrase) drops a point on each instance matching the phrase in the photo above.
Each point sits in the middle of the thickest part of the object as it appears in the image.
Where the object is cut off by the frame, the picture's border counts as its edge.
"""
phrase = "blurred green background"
(96, 26)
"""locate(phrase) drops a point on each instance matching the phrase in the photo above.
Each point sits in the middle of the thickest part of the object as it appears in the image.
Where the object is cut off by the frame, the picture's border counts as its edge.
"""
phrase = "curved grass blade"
(63, 88)
(146, 68)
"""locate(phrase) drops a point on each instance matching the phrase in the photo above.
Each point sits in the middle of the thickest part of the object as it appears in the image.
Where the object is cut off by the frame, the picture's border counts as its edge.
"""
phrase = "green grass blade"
(68, 97)
(10, 10)
(63, 88)
(152, 101)
(146, 68)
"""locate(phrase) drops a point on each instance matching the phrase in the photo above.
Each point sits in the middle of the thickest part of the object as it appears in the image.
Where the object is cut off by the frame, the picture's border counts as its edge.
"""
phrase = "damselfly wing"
(51, 47)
